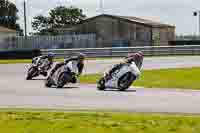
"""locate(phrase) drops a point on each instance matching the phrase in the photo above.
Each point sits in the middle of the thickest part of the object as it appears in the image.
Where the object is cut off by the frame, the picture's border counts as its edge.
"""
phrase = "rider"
(80, 65)
(133, 57)
(49, 57)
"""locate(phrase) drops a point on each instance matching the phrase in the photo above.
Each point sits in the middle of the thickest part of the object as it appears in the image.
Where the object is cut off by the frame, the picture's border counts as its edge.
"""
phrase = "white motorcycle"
(121, 79)
(63, 75)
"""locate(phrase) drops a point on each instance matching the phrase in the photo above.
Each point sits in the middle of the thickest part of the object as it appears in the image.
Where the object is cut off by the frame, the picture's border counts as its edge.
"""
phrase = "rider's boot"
(108, 77)
(73, 80)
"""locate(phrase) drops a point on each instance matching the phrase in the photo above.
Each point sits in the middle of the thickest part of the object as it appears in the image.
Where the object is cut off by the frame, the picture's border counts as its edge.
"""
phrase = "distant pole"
(199, 22)
(25, 22)
(101, 7)
(197, 13)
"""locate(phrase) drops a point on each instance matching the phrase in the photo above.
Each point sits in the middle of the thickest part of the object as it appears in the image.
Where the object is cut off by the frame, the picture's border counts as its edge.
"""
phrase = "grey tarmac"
(16, 92)
(99, 66)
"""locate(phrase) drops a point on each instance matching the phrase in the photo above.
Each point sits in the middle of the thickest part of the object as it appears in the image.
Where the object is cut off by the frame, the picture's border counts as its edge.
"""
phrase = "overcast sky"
(174, 12)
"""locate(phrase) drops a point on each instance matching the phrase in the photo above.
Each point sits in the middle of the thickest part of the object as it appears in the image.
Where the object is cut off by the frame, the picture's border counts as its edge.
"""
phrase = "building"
(6, 33)
(112, 30)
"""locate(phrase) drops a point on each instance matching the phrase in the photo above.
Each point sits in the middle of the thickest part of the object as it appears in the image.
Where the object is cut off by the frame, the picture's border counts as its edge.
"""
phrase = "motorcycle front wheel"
(32, 72)
(125, 81)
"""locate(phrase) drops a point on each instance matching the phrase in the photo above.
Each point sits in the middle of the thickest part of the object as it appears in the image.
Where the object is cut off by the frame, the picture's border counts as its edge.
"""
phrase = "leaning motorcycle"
(121, 79)
(37, 67)
(63, 75)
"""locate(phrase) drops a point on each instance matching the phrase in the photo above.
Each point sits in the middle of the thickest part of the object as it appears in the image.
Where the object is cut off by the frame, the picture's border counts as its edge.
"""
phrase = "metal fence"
(50, 42)
(187, 37)
(123, 51)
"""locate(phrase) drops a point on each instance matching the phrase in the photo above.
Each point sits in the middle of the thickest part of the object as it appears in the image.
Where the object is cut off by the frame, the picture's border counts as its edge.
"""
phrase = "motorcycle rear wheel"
(28, 78)
(101, 84)
(62, 80)
(48, 83)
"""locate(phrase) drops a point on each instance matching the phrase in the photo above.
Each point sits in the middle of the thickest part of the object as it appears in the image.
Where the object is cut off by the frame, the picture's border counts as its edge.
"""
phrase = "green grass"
(19, 61)
(185, 78)
(91, 122)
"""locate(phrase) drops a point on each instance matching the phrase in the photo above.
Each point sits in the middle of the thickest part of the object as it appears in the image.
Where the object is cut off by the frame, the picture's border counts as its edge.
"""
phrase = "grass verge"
(16, 61)
(91, 122)
(183, 78)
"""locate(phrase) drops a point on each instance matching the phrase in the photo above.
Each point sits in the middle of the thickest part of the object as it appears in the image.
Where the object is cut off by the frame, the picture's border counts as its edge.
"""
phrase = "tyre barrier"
(19, 54)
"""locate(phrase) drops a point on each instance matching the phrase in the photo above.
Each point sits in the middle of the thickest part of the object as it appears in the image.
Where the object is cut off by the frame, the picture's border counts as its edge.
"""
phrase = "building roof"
(134, 20)
(6, 30)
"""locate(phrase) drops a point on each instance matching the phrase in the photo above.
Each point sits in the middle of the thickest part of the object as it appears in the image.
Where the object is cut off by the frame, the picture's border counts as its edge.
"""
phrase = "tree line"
(8, 15)
(58, 17)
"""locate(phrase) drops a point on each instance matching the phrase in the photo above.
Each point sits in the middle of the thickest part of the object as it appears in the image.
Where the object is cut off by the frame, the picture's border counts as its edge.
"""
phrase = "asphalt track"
(16, 92)
(99, 66)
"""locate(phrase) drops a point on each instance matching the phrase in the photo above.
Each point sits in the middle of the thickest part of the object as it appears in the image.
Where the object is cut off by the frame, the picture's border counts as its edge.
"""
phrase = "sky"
(173, 12)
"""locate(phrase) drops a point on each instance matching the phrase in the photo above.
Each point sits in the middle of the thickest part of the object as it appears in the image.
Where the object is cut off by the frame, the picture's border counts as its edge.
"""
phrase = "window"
(156, 37)
(139, 33)
(133, 32)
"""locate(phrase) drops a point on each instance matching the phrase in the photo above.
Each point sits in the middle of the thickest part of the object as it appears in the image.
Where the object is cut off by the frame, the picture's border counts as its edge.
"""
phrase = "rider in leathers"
(136, 57)
(41, 59)
(80, 65)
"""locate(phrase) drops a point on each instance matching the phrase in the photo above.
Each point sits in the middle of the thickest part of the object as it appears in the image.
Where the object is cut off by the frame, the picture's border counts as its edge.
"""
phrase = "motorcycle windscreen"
(44, 63)
(35, 62)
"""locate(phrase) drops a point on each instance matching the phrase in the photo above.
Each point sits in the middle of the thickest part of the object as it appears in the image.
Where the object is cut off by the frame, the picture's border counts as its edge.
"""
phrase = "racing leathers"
(133, 58)
(44, 67)
(80, 67)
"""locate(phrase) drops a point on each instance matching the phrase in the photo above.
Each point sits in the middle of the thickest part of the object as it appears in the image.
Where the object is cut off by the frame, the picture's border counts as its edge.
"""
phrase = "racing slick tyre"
(32, 72)
(63, 79)
(48, 83)
(101, 84)
(125, 81)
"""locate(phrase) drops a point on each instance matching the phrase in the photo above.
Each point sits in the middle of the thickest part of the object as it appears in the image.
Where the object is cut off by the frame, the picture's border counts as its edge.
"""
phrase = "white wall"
(4, 35)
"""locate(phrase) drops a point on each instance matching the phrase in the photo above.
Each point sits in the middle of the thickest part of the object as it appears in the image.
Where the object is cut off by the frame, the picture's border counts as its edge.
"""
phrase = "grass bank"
(91, 122)
(185, 78)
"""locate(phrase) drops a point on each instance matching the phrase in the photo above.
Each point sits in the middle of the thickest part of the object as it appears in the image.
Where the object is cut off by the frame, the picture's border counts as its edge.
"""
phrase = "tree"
(59, 17)
(41, 24)
(8, 15)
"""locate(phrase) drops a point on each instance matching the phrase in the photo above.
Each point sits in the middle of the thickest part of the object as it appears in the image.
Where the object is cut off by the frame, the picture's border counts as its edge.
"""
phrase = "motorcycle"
(37, 67)
(63, 75)
(121, 79)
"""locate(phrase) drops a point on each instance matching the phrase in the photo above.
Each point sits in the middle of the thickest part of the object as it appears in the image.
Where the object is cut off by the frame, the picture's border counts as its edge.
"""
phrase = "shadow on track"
(65, 87)
(37, 79)
(116, 90)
